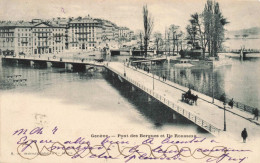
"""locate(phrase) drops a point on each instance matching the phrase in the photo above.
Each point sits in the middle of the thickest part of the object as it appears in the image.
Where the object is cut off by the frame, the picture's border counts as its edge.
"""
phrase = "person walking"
(256, 113)
(244, 135)
(231, 103)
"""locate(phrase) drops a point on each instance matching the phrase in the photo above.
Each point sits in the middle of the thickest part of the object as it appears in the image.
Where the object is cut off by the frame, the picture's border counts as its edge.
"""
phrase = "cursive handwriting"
(168, 148)
(81, 148)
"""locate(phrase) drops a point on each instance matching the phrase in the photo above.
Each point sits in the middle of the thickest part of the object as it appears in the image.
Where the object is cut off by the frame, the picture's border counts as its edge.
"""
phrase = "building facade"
(84, 33)
(57, 35)
(24, 38)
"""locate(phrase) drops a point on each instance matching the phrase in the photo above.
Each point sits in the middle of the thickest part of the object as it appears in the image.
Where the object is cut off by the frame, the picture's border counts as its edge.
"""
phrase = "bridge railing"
(238, 50)
(241, 106)
(192, 117)
(58, 59)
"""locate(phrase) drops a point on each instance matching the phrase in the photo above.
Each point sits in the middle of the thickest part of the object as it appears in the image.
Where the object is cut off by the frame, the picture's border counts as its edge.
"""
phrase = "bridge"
(59, 62)
(155, 60)
(242, 52)
(207, 115)
(137, 52)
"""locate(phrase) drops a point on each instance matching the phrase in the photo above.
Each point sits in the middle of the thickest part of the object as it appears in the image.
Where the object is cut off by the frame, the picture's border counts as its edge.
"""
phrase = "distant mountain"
(253, 32)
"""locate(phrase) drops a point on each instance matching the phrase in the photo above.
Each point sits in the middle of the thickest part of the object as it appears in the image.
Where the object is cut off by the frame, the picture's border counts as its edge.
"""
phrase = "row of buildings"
(59, 34)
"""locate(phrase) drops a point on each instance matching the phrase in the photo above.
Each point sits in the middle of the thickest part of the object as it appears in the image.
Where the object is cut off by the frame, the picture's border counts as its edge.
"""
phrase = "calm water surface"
(239, 80)
(96, 92)
(101, 92)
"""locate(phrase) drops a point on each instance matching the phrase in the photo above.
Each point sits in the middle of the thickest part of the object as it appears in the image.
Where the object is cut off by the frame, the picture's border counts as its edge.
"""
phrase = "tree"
(157, 40)
(140, 35)
(179, 39)
(148, 27)
(173, 29)
(214, 23)
(198, 31)
(192, 32)
(208, 28)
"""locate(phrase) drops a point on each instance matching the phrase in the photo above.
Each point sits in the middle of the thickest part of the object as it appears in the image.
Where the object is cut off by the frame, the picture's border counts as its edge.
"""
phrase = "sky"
(240, 13)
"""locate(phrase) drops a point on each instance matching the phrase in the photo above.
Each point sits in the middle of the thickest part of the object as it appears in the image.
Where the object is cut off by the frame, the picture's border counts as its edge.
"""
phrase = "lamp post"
(124, 69)
(153, 74)
(224, 115)
(213, 81)
(153, 81)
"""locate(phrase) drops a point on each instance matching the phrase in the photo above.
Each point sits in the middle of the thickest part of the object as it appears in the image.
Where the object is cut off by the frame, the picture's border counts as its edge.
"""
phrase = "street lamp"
(153, 81)
(224, 115)
(213, 81)
(152, 73)
(124, 69)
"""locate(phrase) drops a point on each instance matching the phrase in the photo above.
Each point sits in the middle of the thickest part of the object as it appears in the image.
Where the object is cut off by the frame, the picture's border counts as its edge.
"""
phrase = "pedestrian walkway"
(234, 110)
(236, 120)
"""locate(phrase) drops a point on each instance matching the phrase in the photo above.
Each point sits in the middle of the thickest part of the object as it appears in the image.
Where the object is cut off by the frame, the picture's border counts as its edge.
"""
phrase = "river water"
(92, 93)
(97, 94)
(239, 80)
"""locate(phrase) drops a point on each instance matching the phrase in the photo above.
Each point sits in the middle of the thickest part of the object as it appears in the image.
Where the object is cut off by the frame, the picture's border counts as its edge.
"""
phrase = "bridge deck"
(149, 60)
(170, 93)
(64, 60)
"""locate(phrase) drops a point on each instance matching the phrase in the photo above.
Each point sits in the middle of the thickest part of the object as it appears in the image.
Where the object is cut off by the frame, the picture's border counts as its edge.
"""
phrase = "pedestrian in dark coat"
(231, 103)
(256, 113)
(244, 135)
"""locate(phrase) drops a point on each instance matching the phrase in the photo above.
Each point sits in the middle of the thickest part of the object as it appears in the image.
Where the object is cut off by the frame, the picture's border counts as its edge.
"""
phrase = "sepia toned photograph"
(112, 81)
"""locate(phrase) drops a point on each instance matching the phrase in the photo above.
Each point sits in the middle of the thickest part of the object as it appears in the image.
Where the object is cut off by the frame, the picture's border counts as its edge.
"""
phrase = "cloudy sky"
(241, 13)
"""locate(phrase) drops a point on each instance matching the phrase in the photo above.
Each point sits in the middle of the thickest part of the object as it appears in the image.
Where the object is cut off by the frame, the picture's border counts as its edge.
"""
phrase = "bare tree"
(157, 40)
(148, 27)
(174, 31)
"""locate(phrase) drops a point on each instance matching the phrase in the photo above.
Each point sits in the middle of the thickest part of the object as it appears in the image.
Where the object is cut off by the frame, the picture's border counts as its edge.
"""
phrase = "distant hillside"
(253, 32)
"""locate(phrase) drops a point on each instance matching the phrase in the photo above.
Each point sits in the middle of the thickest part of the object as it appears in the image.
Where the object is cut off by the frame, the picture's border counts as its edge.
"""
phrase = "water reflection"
(96, 93)
(156, 112)
(239, 81)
